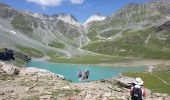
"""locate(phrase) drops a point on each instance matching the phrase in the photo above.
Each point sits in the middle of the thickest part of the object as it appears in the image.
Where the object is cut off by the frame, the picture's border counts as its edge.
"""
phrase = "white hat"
(138, 81)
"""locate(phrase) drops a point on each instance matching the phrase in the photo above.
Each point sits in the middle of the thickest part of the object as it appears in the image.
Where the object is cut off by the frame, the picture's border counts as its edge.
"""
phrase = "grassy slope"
(133, 44)
(20, 59)
(57, 45)
(88, 59)
(30, 51)
(152, 82)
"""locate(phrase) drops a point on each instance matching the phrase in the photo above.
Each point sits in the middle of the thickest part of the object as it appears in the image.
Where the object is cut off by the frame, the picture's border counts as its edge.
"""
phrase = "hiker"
(137, 91)
(80, 74)
(86, 75)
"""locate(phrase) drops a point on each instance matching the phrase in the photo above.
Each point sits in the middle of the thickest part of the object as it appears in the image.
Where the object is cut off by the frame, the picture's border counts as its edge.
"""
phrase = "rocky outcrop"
(7, 55)
(8, 69)
(38, 84)
(40, 72)
(164, 27)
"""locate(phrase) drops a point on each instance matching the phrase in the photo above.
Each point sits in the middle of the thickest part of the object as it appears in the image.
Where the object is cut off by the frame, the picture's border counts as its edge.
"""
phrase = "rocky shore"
(39, 84)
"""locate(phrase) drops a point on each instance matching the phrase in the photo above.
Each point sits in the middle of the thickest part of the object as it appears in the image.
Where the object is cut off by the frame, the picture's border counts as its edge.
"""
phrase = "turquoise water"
(96, 72)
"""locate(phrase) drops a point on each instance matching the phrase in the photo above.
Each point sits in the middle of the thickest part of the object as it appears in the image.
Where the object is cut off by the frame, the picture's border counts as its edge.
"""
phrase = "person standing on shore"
(137, 90)
(86, 75)
(80, 74)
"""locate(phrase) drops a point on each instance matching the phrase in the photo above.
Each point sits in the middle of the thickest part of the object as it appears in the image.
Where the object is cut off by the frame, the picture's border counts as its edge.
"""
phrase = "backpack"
(137, 93)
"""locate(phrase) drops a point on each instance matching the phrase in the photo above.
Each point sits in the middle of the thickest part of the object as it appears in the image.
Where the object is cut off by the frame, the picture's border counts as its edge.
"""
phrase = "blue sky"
(81, 9)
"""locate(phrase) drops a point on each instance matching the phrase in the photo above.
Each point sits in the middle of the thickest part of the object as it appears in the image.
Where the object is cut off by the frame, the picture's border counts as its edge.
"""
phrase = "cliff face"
(35, 84)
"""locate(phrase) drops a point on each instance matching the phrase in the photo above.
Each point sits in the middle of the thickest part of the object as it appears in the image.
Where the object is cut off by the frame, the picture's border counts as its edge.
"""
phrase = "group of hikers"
(83, 76)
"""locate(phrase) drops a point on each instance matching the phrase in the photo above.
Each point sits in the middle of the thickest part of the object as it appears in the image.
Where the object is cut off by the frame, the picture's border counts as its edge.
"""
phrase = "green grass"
(20, 58)
(89, 59)
(132, 44)
(1, 49)
(30, 51)
(92, 35)
(7, 77)
(19, 62)
(164, 76)
(53, 54)
(152, 82)
(57, 45)
(109, 33)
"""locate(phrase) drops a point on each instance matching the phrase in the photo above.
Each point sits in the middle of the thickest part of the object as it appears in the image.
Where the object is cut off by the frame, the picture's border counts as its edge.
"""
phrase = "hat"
(138, 81)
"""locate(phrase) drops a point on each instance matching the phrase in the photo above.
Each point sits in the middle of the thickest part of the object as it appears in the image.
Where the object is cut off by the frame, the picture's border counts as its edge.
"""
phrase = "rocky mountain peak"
(67, 18)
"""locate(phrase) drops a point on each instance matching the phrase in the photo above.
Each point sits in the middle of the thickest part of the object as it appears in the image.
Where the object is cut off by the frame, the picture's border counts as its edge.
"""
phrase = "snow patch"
(13, 32)
(94, 18)
(167, 17)
(69, 19)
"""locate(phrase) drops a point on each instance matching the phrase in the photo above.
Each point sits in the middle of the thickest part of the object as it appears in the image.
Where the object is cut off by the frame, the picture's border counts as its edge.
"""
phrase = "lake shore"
(131, 63)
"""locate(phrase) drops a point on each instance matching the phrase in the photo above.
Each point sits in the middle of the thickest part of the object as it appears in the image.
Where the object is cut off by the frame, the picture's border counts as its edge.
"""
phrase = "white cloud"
(47, 2)
(77, 1)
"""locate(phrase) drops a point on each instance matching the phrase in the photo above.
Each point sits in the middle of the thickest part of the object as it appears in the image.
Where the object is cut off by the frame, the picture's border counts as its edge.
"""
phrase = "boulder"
(40, 73)
(9, 69)
(60, 76)
(66, 88)
(2, 93)
(157, 94)
(124, 81)
(48, 93)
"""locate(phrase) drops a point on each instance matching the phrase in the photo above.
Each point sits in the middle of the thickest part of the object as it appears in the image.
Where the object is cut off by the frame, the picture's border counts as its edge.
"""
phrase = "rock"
(124, 81)
(157, 95)
(167, 98)
(66, 88)
(14, 96)
(48, 93)
(99, 96)
(46, 97)
(9, 69)
(1, 65)
(117, 89)
(88, 96)
(27, 89)
(16, 71)
(2, 93)
(107, 94)
(164, 95)
(61, 77)
(40, 73)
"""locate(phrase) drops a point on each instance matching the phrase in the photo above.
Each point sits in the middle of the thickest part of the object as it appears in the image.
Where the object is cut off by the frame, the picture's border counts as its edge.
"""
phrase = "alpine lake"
(69, 71)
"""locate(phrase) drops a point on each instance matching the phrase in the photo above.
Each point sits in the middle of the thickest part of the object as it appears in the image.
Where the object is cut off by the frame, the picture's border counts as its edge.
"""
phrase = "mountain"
(134, 30)
(96, 17)
(68, 19)
(56, 33)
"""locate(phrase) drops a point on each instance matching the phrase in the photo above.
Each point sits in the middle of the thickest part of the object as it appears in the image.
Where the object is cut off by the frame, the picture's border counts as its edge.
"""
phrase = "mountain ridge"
(62, 33)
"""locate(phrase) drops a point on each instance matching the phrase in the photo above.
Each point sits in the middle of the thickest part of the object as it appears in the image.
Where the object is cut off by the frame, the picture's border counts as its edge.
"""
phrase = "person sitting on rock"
(137, 90)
